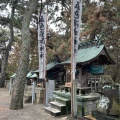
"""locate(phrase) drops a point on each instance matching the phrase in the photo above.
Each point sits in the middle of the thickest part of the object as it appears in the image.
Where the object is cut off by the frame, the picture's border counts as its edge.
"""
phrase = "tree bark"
(116, 66)
(3, 69)
(19, 83)
(7, 49)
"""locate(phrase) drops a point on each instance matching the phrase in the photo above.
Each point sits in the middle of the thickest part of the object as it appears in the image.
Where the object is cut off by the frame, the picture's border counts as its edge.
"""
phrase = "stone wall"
(40, 94)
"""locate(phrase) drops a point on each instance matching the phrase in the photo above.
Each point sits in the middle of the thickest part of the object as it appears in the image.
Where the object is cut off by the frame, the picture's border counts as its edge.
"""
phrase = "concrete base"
(86, 104)
(39, 94)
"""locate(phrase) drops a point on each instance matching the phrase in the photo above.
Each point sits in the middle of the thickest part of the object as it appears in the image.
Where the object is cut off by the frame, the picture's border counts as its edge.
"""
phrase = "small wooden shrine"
(53, 72)
(91, 61)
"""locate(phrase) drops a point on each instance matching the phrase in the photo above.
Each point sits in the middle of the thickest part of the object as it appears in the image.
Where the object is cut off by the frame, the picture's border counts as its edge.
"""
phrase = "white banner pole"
(42, 44)
(42, 38)
(76, 11)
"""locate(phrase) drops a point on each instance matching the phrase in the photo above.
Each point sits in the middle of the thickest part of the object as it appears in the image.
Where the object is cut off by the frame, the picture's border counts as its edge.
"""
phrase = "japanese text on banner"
(42, 44)
(76, 23)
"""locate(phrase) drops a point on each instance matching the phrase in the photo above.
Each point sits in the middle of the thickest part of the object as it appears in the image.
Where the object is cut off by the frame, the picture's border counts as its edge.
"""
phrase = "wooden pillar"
(73, 68)
(91, 86)
(95, 84)
(80, 77)
(33, 91)
(46, 94)
(79, 91)
(67, 71)
(76, 5)
(67, 68)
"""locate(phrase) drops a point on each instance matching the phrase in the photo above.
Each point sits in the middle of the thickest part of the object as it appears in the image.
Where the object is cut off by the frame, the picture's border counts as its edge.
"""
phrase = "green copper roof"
(86, 54)
(49, 66)
(29, 74)
(33, 76)
(13, 76)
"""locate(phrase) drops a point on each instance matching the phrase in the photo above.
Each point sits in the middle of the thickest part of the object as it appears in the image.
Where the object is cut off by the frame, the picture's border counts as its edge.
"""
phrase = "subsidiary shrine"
(90, 79)
(94, 91)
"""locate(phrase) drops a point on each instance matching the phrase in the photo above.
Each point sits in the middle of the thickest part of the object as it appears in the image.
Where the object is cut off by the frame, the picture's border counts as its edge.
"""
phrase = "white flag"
(76, 11)
(76, 20)
(42, 19)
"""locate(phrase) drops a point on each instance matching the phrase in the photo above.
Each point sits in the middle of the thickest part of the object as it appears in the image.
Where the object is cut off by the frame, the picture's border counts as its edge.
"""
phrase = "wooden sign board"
(68, 84)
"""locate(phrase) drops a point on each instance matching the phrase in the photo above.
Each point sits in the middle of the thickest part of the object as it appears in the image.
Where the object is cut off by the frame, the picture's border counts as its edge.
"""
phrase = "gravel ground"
(29, 112)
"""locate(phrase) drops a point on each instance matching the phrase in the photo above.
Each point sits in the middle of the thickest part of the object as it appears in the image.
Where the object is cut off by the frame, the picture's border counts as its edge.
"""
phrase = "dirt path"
(29, 112)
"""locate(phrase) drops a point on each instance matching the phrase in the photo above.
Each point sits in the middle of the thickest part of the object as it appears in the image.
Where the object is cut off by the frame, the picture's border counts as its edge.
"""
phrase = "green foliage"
(60, 46)
(4, 36)
(99, 22)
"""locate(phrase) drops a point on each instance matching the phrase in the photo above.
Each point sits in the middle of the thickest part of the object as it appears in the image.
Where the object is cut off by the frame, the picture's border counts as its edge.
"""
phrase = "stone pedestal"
(86, 104)
(40, 94)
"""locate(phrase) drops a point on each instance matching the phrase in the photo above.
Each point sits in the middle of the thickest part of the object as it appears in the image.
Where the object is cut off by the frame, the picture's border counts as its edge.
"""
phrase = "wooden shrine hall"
(91, 61)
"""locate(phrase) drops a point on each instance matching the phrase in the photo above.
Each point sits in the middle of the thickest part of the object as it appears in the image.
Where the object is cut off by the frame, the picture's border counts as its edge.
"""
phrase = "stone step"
(52, 111)
(62, 100)
(57, 103)
(66, 102)
(59, 106)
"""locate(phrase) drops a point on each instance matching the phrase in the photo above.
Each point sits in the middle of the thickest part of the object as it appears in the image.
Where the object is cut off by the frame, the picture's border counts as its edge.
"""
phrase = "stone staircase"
(60, 106)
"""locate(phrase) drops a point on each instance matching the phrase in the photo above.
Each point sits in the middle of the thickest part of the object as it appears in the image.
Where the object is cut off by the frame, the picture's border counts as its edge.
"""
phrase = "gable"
(88, 54)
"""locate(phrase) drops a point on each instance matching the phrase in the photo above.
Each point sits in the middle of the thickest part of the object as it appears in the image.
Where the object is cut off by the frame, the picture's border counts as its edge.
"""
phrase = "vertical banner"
(76, 20)
(42, 26)
(76, 12)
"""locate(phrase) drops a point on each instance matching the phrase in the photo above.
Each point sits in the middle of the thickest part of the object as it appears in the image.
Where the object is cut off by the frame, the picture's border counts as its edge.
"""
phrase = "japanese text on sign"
(76, 23)
(42, 44)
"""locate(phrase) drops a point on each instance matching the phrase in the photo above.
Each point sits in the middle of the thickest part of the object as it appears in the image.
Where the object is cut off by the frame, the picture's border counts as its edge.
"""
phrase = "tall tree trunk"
(116, 68)
(3, 68)
(19, 84)
(7, 49)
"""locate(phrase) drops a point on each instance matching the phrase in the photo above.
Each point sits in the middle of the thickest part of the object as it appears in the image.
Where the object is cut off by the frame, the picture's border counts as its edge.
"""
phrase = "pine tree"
(18, 88)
